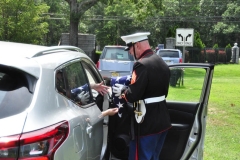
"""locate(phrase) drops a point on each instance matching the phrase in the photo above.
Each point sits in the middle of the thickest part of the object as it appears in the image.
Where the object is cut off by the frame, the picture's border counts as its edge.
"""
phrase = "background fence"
(207, 55)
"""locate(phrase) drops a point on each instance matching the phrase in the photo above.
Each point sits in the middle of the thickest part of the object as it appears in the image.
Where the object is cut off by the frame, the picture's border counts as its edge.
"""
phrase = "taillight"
(9, 147)
(180, 60)
(97, 65)
(36, 145)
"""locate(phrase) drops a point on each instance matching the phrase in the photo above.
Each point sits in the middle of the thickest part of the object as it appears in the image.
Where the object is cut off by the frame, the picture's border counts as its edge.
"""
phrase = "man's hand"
(117, 89)
(109, 112)
(83, 97)
(100, 87)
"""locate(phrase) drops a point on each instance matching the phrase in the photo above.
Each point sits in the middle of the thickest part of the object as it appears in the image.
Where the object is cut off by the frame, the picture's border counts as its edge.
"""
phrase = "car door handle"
(89, 130)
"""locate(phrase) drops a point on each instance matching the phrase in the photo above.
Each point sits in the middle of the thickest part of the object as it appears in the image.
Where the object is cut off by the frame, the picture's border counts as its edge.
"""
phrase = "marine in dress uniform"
(149, 83)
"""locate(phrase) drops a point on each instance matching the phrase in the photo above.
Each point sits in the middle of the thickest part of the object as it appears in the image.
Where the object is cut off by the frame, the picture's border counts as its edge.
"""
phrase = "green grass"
(193, 81)
(98, 52)
(222, 140)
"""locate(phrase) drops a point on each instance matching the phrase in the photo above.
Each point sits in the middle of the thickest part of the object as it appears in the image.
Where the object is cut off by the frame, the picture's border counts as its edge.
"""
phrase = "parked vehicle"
(40, 115)
(159, 46)
(114, 62)
(170, 56)
(41, 118)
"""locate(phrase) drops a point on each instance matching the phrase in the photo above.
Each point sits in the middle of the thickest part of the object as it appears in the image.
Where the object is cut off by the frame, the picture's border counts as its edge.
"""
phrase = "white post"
(183, 58)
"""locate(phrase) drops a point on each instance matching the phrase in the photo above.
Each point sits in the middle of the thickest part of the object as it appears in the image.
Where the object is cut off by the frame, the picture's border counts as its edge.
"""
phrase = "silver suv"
(170, 56)
(41, 116)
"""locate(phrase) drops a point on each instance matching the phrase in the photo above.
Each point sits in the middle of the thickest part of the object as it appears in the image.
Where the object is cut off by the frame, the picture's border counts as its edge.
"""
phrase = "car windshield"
(118, 54)
(15, 96)
(173, 54)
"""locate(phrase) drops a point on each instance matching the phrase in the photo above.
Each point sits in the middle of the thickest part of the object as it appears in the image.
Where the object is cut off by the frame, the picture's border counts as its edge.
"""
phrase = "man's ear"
(137, 45)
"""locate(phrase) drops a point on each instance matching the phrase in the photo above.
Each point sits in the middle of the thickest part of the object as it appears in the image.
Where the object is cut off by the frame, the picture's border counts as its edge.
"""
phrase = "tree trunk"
(74, 21)
(73, 36)
(77, 9)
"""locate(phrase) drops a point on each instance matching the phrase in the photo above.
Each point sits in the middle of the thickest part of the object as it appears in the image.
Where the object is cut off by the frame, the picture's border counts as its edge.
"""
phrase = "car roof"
(19, 49)
(32, 58)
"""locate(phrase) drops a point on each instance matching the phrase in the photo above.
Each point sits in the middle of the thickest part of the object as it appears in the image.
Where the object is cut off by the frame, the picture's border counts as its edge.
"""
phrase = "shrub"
(228, 46)
(222, 56)
(228, 50)
(176, 75)
(98, 52)
(215, 46)
(210, 56)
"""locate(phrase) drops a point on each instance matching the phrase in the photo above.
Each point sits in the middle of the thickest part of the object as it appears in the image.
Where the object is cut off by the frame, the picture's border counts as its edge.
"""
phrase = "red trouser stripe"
(136, 153)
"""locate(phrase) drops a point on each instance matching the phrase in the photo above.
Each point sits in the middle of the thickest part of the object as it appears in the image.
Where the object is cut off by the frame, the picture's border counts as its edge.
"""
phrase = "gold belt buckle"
(138, 113)
(137, 105)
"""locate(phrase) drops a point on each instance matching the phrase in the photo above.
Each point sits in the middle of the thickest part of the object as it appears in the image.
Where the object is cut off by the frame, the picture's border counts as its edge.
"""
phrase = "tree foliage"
(58, 21)
(23, 21)
(43, 21)
(231, 13)
(78, 8)
(115, 20)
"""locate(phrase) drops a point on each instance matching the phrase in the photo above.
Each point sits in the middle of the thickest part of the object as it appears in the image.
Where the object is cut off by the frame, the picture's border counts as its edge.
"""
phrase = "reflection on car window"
(117, 54)
(75, 84)
(187, 82)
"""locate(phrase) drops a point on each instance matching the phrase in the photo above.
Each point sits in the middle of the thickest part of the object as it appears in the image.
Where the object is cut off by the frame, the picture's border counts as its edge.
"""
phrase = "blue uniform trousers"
(150, 147)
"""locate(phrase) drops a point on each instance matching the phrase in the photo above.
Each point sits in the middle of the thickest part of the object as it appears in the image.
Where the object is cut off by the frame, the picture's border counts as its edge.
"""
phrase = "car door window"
(60, 82)
(187, 82)
(91, 73)
(92, 79)
(72, 82)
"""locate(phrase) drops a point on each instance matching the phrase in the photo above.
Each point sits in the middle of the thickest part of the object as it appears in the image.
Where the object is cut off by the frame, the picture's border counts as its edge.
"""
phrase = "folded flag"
(118, 101)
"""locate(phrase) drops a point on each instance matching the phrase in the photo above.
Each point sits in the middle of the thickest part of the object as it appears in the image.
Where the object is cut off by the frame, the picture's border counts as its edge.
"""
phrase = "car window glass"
(77, 86)
(173, 54)
(15, 96)
(117, 54)
(91, 77)
(186, 84)
(60, 82)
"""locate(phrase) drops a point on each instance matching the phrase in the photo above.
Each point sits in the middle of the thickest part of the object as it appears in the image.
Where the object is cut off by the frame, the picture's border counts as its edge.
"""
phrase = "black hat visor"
(129, 45)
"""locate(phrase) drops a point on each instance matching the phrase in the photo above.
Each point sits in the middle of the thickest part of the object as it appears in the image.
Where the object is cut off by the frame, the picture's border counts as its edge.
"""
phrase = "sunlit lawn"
(191, 88)
(223, 128)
